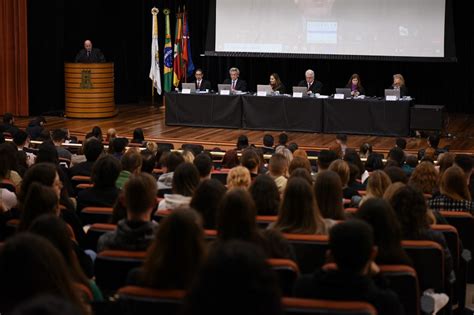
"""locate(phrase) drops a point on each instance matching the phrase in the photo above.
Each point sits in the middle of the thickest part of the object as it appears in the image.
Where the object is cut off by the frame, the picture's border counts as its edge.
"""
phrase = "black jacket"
(241, 85)
(316, 87)
(205, 85)
(95, 56)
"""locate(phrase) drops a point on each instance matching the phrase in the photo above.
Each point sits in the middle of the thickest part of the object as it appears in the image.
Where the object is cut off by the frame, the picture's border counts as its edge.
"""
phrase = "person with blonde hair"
(377, 184)
(111, 134)
(239, 177)
(425, 178)
(188, 156)
(455, 195)
(399, 84)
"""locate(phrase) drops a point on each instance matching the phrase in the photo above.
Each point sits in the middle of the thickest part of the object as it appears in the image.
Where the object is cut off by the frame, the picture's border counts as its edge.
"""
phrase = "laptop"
(345, 91)
(190, 86)
(264, 88)
(301, 89)
(223, 87)
(392, 92)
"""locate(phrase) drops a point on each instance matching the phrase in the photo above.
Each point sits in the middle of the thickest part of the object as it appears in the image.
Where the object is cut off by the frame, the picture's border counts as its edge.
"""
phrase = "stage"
(459, 132)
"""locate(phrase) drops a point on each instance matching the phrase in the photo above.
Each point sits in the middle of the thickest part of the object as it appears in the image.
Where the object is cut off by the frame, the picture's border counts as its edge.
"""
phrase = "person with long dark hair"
(276, 84)
(206, 199)
(328, 193)
(355, 85)
(265, 194)
(185, 180)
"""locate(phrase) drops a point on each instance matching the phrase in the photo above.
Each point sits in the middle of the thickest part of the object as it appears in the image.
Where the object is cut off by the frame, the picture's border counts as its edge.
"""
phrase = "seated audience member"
(276, 84)
(397, 155)
(169, 162)
(355, 85)
(352, 248)
(354, 178)
(206, 200)
(445, 161)
(251, 161)
(299, 212)
(455, 195)
(300, 153)
(352, 157)
(236, 84)
(117, 147)
(59, 137)
(365, 150)
(412, 213)
(47, 305)
(242, 143)
(343, 170)
(111, 135)
(328, 193)
(286, 153)
(254, 288)
(401, 143)
(9, 124)
(138, 136)
(188, 156)
(176, 254)
(39, 200)
(35, 127)
(374, 162)
(131, 164)
(230, 159)
(8, 155)
(425, 178)
(201, 83)
(278, 169)
(466, 163)
(325, 158)
(137, 231)
(25, 155)
(302, 173)
(93, 148)
(433, 149)
(399, 84)
(265, 194)
(203, 163)
(56, 231)
(31, 259)
(97, 133)
(387, 232)
(340, 146)
(8, 200)
(313, 86)
(151, 147)
(299, 162)
(268, 142)
(148, 161)
(282, 140)
(377, 184)
(293, 146)
(396, 174)
(411, 162)
(239, 177)
(185, 181)
(104, 193)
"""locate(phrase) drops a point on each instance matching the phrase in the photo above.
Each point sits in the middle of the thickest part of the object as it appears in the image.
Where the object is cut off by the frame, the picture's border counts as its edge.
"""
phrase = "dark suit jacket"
(316, 87)
(403, 90)
(95, 56)
(205, 85)
(241, 85)
(280, 89)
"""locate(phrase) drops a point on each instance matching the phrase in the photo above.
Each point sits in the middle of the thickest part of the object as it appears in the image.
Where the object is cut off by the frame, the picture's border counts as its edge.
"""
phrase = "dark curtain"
(122, 29)
(13, 58)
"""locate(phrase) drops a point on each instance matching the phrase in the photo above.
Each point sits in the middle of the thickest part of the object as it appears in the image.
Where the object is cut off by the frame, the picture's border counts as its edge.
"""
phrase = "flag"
(178, 61)
(168, 54)
(155, 75)
(187, 47)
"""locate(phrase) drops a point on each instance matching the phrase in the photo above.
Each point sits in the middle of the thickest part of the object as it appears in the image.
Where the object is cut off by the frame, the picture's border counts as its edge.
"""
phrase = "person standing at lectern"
(236, 84)
(314, 86)
(89, 54)
(201, 83)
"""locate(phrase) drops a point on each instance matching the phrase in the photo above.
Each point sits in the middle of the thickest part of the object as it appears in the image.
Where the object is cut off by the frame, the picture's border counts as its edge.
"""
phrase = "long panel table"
(356, 116)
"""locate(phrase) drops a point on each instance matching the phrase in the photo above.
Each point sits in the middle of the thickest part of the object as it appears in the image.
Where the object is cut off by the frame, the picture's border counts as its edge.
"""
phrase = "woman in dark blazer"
(355, 85)
(276, 84)
(399, 84)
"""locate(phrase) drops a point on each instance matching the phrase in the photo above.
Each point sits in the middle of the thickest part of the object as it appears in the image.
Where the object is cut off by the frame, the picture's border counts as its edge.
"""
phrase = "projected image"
(412, 28)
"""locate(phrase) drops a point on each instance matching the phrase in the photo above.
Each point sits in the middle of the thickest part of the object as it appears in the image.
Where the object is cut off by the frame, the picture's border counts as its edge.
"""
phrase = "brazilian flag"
(168, 54)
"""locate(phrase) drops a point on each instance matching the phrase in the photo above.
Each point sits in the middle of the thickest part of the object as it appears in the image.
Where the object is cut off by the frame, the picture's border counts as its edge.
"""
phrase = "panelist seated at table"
(399, 84)
(355, 85)
(89, 54)
(201, 83)
(276, 84)
(314, 86)
(236, 84)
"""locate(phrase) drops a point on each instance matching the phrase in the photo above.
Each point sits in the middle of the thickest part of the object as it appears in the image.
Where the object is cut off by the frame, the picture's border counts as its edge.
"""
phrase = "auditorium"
(276, 157)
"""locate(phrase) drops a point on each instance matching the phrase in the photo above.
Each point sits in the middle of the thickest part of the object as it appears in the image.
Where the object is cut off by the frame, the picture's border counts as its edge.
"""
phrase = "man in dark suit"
(201, 83)
(236, 84)
(314, 86)
(9, 124)
(89, 54)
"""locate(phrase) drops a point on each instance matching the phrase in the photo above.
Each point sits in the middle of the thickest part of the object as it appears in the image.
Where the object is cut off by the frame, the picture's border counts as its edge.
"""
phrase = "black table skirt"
(282, 113)
(205, 110)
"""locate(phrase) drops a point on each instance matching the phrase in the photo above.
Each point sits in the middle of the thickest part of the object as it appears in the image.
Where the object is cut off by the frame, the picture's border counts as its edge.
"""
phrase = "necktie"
(309, 85)
(233, 85)
(199, 85)
(88, 53)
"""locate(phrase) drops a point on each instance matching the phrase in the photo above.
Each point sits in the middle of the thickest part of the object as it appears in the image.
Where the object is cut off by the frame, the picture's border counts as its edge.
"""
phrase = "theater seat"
(95, 231)
(140, 300)
(91, 215)
(264, 220)
(112, 266)
(404, 281)
(220, 175)
(324, 307)
(287, 272)
(310, 250)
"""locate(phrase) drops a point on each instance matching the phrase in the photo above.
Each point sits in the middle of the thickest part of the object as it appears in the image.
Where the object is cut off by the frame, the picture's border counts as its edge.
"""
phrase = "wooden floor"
(460, 128)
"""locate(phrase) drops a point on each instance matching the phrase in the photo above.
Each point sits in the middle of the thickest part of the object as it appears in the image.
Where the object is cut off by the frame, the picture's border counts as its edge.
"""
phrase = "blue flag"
(189, 63)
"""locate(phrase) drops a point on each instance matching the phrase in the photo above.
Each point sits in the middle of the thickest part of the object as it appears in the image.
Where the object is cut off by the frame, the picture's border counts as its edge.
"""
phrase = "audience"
(251, 161)
(282, 139)
(365, 150)
(268, 142)
(9, 124)
(117, 147)
(343, 170)
(340, 146)
(299, 162)
(396, 174)
(206, 200)
(59, 136)
(325, 158)
(265, 194)
(203, 163)
(433, 149)
(97, 133)
(230, 159)
(185, 181)
(466, 163)
(352, 249)
(188, 156)
(93, 148)
(136, 231)
(239, 177)
(302, 173)
(445, 161)
(25, 156)
(278, 170)
(131, 164)
(8, 154)
(36, 127)
(328, 193)
(377, 184)
(138, 136)
(148, 161)
(169, 163)
(111, 135)
(425, 178)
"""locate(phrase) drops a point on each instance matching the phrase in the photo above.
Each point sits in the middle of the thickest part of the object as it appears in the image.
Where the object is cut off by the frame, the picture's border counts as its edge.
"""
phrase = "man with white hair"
(89, 54)
(313, 86)
(236, 84)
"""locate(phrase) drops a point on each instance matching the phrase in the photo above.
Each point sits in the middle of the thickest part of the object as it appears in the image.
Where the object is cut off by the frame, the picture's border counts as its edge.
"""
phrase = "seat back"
(428, 261)
(453, 241)
(220, 176)
(95, 231)
(293, 306)
(404, 281)
(310, 250)
(112, 266)
(287, 272)
(91, 215)
(264, 220)
(144, 301)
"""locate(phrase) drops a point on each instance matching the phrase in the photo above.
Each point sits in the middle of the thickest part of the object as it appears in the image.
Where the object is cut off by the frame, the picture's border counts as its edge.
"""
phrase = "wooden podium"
(89, 89)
